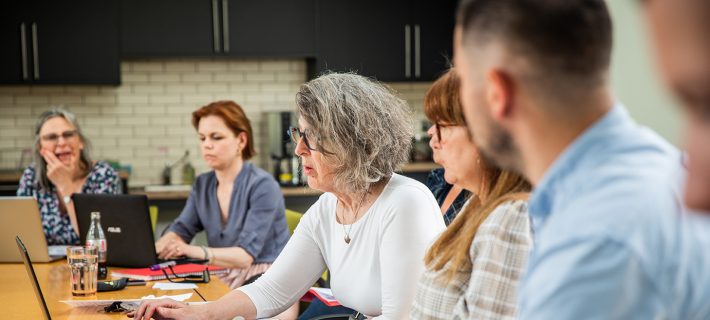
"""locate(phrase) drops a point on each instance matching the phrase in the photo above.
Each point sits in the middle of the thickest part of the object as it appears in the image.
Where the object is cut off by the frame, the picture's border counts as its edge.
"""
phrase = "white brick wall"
(146, 121)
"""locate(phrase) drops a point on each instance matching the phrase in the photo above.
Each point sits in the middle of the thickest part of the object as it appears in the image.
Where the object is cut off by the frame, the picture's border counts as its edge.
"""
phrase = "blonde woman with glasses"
(62, 166)
(474, 267)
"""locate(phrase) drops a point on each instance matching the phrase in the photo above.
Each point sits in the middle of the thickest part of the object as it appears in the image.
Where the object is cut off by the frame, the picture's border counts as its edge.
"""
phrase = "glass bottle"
(95, 237)
(188, 171)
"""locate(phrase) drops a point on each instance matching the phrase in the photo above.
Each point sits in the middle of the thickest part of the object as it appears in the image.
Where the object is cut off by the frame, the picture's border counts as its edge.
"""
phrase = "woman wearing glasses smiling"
(370, 228)
(62, 166)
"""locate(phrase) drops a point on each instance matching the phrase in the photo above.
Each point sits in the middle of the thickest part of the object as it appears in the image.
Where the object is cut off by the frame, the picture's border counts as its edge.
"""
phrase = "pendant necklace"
(350, 226)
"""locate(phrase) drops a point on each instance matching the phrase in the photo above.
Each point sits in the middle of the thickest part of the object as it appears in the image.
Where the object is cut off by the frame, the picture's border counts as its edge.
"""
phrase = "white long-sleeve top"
(376, 273)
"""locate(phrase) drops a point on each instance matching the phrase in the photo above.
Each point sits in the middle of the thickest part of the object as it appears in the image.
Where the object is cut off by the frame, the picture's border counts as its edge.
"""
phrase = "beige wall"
(145, 121)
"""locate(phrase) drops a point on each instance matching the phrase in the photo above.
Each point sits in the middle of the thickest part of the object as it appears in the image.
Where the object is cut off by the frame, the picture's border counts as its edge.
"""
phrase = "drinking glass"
(83, 262)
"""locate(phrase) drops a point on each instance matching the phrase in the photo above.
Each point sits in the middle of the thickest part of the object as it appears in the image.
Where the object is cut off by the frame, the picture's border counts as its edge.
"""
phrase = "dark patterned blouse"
(440, 188)
(57, 226)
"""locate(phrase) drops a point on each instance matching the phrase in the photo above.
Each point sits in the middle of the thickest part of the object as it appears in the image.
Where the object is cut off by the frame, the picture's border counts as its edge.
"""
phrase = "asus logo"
(114, 229)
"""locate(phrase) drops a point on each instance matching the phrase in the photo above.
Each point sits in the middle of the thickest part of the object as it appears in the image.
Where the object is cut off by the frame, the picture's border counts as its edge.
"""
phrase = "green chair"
(153, 216)
(292, 219)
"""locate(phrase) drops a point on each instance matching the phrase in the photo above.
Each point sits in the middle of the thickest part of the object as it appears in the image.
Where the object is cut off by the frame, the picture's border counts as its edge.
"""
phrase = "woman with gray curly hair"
(62, 166)
(370, 228)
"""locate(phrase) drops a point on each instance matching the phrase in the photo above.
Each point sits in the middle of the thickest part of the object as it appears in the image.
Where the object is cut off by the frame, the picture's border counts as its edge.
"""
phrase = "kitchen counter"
(11, 175)
(181, 192)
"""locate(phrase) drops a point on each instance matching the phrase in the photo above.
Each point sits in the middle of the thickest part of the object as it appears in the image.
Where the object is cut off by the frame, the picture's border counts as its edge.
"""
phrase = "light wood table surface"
(18, 301)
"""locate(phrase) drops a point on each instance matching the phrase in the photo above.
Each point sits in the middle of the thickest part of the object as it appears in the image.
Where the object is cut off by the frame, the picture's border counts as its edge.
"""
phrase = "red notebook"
(323, 294)
(181, 270)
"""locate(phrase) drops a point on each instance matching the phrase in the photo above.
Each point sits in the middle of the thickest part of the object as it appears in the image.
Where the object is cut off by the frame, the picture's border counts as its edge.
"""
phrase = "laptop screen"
(125, 220)
(33, 277)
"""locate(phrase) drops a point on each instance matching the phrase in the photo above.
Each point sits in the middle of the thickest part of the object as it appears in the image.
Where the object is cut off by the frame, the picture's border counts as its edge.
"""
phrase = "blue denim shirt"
(256, 221)
(612, 240)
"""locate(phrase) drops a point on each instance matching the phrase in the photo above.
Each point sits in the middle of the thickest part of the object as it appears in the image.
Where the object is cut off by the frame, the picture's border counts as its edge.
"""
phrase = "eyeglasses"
(297, 135)
(204, 278)
(437, 128)
(54, 138)
(116, 306)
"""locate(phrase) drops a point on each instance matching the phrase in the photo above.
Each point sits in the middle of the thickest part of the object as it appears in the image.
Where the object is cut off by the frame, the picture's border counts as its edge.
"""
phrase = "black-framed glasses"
(204, 278)
(437, 129)
(298, 135)
(116, 306)
(54, 138)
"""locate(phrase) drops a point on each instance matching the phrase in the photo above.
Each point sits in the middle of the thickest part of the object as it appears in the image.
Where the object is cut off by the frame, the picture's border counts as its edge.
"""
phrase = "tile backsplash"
(145, 122)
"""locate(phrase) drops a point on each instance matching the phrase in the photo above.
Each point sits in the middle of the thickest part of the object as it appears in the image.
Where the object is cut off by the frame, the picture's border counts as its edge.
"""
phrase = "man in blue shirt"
(612, 240)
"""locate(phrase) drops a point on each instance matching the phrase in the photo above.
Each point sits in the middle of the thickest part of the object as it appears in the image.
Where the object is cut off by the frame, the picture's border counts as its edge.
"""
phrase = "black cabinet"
(60, 42)
(270, 28)
(169, 28)
(397, 40)
(236, 28)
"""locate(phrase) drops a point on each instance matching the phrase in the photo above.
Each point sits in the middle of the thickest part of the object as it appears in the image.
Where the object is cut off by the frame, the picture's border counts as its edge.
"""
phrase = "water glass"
(83, 262)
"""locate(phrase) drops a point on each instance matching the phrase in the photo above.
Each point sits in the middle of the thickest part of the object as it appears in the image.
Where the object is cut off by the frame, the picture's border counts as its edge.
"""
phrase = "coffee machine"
(285, 165)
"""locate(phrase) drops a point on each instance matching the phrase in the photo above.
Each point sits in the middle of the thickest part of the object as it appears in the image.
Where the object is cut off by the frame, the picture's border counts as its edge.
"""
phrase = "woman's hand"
(59, 174)
(176, 247)
(165, 309)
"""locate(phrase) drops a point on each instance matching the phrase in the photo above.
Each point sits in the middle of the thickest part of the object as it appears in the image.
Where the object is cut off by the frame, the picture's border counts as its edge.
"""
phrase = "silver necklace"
(350, 226)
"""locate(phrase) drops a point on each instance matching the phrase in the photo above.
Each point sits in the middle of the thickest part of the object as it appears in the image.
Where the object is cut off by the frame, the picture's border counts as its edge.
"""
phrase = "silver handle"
(407, 52)
(225, 24)
(35, 50)
(417, 52)
(215, 25)
(23, 46)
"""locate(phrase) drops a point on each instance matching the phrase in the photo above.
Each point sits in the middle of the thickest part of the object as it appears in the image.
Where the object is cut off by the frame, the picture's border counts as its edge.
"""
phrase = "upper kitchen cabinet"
(397, 40)
(236, 28)
(169, 28)
(59, 42)
(270, 28)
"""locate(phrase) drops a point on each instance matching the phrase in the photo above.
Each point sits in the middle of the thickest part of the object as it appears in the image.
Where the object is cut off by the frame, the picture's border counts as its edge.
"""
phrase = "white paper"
(100, 303)
(174, 286)
(177, 297)
(127, 303)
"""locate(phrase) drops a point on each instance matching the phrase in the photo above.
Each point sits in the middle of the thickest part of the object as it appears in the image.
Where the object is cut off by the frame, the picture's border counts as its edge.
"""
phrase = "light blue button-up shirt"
(612, 240)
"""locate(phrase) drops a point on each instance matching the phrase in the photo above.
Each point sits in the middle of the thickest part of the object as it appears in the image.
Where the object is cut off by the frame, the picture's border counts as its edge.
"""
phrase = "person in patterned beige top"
(474, 266)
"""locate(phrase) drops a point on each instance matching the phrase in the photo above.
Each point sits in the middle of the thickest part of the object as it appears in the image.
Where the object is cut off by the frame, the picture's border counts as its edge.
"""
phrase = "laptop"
(31, 272)
(19, 216)
(125, 220)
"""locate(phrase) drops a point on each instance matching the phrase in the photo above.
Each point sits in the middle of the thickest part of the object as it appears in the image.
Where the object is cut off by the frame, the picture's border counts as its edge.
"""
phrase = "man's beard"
(500, 149)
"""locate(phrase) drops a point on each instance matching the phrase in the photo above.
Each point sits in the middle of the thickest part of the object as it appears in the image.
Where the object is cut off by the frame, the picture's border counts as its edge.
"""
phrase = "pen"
(163, 265)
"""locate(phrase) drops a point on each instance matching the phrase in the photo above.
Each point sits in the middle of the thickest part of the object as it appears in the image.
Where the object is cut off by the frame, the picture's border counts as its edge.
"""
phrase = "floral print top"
(57, 226)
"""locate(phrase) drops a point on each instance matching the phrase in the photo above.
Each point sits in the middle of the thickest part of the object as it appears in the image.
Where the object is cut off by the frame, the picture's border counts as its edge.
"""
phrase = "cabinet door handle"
(407, 51)
(417, 52)
(23, 46)
(35, 51)
(215, 25)
(225, 24)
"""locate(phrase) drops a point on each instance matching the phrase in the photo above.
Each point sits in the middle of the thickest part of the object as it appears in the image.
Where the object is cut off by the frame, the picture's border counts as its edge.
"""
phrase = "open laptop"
(125, 220)
(19, 216)
(33, 277)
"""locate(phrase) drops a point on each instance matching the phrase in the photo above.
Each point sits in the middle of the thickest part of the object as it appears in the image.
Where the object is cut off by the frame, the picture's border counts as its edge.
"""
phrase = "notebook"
(19, 216)
(181, 270)
(325, 295)
(125, 220)
(31, 272)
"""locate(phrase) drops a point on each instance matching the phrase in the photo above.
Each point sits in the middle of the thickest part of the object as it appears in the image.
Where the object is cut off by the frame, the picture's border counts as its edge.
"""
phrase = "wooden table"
(18, 300)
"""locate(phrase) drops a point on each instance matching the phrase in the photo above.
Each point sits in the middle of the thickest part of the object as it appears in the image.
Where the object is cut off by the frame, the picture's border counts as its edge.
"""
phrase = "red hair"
(233, 116)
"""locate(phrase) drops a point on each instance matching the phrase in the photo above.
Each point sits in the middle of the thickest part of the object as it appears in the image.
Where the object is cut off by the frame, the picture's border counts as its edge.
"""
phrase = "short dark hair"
(568, 38)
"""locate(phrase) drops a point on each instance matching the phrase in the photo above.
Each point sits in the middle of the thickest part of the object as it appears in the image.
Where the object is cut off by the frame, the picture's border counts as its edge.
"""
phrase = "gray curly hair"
(360, 125)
